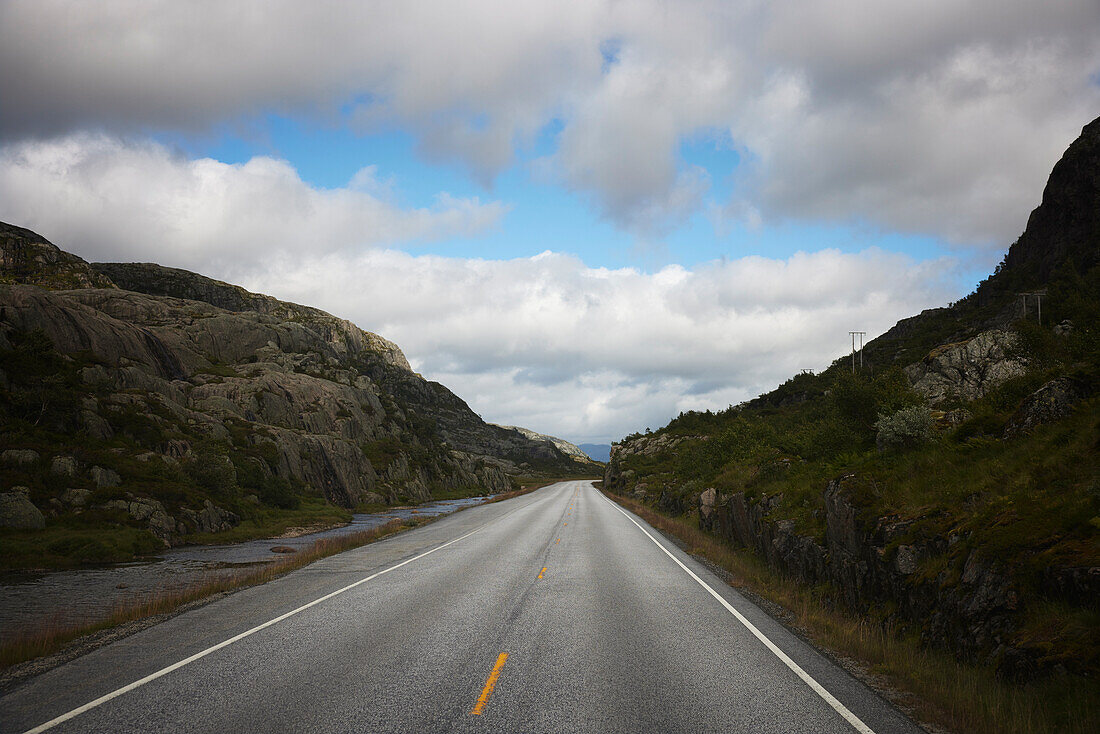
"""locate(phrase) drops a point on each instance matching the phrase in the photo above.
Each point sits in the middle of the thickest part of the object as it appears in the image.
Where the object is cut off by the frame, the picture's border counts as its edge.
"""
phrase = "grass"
(107, 536)
(269, 522)
(959, 697)
(54, 635)
(66, 545)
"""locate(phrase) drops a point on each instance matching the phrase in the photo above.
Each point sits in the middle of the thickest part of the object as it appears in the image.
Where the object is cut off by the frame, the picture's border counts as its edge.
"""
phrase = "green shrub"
(907, 427)
(213, 472)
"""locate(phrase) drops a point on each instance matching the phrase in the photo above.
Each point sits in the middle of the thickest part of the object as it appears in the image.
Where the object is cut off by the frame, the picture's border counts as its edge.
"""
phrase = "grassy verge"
(312, 512)
(53, 636)
(103, 536)
(935, 686)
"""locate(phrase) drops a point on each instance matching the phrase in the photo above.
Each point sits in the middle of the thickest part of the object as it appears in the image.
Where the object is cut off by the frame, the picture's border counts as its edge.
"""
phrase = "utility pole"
(1038, 302)
(854, 334)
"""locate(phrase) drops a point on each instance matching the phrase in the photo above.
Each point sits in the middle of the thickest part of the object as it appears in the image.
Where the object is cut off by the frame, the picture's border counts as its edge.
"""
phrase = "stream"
(34, 599)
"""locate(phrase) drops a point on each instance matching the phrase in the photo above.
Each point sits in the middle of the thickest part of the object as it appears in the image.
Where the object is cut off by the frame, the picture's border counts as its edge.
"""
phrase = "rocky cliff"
(1062, 237)
(172, 402)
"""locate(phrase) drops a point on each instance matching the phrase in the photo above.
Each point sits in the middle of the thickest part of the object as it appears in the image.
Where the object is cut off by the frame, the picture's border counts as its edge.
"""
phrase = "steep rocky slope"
(569, 449)
(164, 401)
(949, 490)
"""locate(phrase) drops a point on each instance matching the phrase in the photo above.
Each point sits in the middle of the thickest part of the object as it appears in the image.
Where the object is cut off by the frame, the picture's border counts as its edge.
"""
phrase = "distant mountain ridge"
(598, 451)
(567, 448)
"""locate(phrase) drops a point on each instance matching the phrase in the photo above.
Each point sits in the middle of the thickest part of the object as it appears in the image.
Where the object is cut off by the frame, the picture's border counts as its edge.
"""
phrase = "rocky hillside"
(949, 490)
(569, 449)
(158, 401)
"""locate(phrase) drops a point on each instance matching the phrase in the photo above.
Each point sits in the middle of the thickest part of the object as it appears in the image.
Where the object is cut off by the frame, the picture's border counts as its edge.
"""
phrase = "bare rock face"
(966, 370)
(26, 257)
(228, 394)
(1065, 227)
(567, 448)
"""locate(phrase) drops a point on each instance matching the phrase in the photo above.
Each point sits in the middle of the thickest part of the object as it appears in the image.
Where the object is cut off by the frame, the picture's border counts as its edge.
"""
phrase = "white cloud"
(939, 117)
(544, 341)
(591, 353)
(119, 200)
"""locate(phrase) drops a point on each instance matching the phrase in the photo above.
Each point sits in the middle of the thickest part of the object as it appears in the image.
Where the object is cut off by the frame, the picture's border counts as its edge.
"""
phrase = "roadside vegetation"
(968, 484)
(933, 685)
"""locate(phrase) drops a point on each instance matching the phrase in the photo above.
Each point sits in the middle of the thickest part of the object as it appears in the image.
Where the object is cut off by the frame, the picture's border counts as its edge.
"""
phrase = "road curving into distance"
(556, 611)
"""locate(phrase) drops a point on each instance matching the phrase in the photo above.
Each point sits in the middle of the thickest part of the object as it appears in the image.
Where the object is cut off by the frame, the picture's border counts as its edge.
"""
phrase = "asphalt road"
(552, 612)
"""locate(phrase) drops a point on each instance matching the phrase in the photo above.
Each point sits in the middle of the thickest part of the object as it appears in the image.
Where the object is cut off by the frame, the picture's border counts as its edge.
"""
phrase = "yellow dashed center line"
(489, 685)
(542, 571)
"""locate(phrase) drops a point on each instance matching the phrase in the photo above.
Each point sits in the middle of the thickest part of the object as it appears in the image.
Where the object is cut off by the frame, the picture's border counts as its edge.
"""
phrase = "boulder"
(1064, 329)
(17, 511)
(149, 512)
(708, 498)
(211, 518)
(64, 466)
(1051, 402)
(75, 497)
(105, 478)
(966, 370)
(19, 457)
(95, 426)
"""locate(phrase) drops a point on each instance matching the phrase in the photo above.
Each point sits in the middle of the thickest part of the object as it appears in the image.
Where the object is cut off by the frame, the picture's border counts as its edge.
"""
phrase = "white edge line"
(795, 667)
(225, 643)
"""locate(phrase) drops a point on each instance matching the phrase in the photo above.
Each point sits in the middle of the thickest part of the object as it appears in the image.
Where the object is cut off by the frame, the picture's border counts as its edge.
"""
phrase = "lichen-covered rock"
(148, 512)
(1051, 402)
(19, 457)
(96, 426)
(64, 466)
(105, 478)
(18, 512)
(211, 518)
(76, 496)
(966, 370)
(708, 498)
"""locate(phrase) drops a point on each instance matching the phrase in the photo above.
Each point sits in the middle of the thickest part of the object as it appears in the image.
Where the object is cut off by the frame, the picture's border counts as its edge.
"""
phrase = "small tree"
(905, 428)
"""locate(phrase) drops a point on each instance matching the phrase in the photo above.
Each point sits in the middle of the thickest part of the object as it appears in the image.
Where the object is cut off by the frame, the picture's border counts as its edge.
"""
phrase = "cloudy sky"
(582, 217)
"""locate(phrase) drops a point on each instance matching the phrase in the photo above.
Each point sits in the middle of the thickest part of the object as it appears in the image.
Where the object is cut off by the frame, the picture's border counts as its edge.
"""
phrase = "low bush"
(905, 428)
